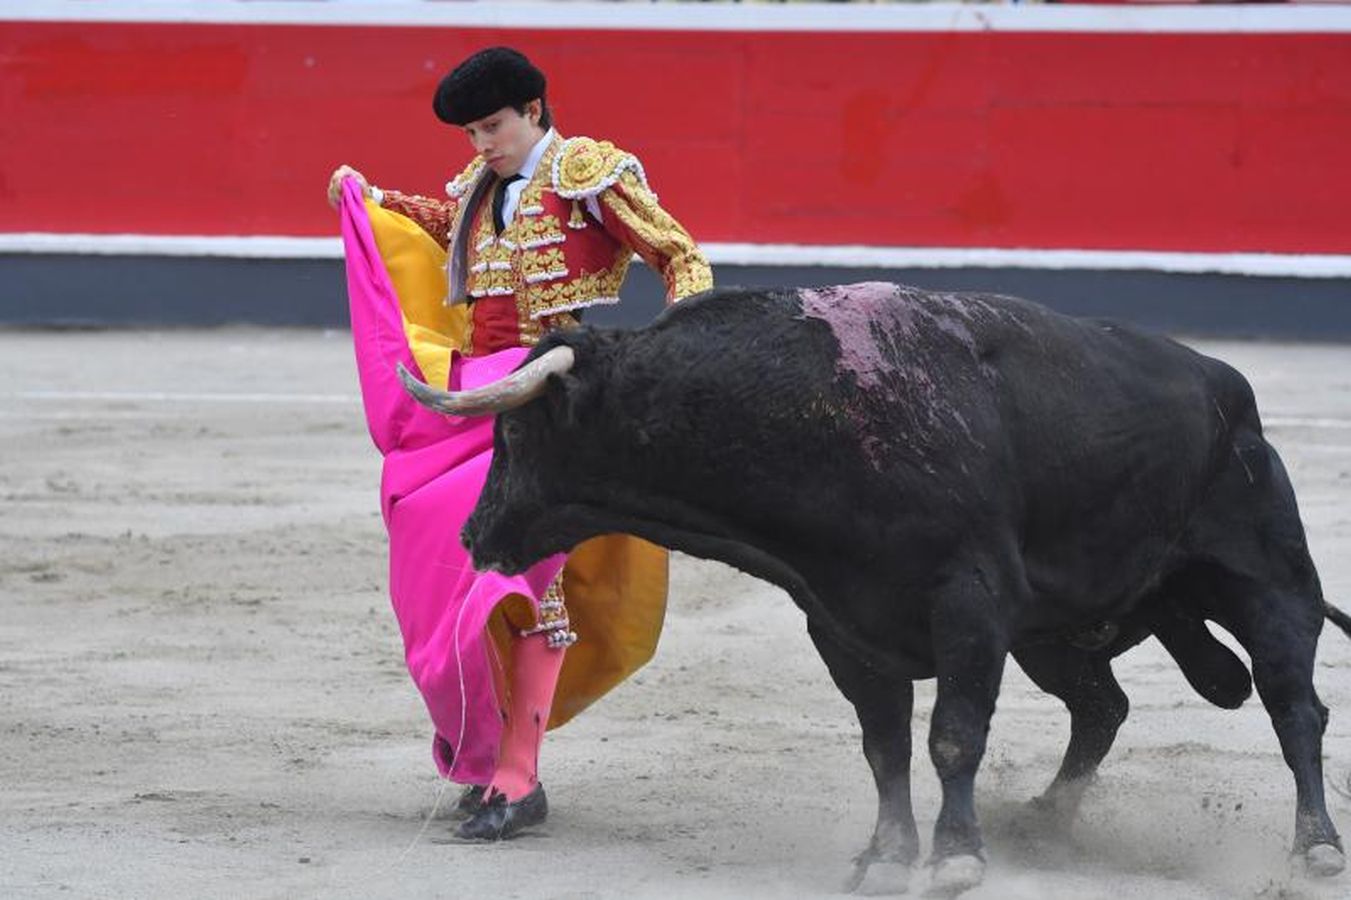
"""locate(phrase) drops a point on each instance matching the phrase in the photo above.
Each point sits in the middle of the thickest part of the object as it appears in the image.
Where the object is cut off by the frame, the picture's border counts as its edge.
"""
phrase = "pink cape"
(434, 469)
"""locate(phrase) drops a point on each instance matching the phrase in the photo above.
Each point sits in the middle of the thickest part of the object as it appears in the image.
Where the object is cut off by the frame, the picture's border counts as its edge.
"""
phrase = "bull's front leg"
(970, 644)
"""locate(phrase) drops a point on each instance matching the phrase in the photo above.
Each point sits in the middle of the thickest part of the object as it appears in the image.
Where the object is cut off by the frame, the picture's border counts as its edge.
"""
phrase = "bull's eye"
(511, 431)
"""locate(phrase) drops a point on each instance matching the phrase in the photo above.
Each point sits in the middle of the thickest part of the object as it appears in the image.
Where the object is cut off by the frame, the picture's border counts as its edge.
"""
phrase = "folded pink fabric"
(434, 469)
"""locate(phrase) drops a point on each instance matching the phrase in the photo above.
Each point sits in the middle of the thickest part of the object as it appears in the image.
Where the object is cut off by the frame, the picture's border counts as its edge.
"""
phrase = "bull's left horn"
(521, 386)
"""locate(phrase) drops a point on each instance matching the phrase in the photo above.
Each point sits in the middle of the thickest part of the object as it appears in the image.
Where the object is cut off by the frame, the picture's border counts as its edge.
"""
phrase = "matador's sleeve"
(634, 217)
(434, 216)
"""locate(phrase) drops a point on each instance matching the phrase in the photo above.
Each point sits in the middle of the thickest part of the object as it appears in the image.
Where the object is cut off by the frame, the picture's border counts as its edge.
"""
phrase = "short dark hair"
(546, 116)
(488, 81)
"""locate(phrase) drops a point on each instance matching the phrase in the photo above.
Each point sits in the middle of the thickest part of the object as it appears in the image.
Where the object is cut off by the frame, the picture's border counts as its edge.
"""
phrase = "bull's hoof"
(1052, 815)
(878, 879)
(954, 874)
(1323, 861)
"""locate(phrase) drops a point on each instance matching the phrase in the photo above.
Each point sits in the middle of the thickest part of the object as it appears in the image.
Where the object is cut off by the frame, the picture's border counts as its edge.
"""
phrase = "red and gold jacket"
(554, 257)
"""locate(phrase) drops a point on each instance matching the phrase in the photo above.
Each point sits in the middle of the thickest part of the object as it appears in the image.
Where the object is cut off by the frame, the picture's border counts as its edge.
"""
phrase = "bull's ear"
(561, 398)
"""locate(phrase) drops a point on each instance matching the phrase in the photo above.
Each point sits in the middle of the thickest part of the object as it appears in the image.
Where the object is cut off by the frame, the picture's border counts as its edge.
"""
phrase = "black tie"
(500, 199)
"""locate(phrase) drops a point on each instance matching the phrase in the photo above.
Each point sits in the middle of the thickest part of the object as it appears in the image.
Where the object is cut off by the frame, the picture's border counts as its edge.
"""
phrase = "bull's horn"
(521, 386)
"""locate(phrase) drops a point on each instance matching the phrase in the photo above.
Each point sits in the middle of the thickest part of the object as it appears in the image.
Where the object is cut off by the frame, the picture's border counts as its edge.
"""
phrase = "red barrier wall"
(1181, 141)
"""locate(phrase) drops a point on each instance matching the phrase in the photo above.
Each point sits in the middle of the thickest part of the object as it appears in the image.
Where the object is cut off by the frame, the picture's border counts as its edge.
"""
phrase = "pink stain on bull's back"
(896, 343)
(851, 311)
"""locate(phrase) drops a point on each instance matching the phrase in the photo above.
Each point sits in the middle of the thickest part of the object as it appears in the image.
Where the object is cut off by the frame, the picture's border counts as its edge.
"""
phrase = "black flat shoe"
(497, 820)
(471, 798)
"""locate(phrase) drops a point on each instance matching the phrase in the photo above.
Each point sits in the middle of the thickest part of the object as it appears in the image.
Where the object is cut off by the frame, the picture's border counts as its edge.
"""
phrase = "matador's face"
(506, 137)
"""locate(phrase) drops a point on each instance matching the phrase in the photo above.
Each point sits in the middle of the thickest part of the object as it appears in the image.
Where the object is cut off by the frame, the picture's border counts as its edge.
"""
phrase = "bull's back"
(990, 369)
(1083, 437)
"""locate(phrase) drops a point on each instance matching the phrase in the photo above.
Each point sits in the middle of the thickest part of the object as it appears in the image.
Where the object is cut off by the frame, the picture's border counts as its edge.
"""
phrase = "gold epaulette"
(458, 186)
(584, 167)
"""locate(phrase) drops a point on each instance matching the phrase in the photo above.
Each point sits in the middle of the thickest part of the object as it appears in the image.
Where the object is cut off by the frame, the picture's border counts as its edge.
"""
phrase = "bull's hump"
(908, 360)
(853, 312)
(871, 318)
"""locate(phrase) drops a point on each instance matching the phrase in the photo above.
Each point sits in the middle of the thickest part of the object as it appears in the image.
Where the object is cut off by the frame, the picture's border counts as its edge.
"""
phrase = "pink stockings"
(530, 694)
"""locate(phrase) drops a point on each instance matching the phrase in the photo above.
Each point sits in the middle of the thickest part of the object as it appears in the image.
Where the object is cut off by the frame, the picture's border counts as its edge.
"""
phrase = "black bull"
(939, 480)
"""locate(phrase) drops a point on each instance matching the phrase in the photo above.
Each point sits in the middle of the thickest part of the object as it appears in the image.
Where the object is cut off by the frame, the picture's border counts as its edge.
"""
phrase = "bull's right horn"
(521, 386)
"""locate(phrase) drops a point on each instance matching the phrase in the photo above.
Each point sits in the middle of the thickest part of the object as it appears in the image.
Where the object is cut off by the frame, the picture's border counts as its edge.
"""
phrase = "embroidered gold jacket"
(554, 257)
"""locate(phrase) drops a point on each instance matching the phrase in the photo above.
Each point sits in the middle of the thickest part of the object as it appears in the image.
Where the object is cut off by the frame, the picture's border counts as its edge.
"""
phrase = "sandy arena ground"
(202, 692)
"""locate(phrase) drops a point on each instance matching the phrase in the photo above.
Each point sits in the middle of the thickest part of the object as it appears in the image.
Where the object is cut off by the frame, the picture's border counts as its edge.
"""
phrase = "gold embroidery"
(658, 238)
(585, 167)
(531, 330)
(432, 215)
(528, 260)
(553, 617)
(690, 275)
(460, 184)
(532, 197)
(539, 231)
(586, 163)
(490, 260)
(585, 289)
(564, 321)
(543, 265)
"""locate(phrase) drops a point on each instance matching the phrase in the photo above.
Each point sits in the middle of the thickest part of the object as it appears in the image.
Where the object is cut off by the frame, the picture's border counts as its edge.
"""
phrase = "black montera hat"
(486, 82)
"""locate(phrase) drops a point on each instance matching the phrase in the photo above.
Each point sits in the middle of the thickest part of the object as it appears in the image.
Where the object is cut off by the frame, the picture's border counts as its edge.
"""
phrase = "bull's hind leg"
(1264, 589)
(884, 705)
(1280, 632)
(1084, 682)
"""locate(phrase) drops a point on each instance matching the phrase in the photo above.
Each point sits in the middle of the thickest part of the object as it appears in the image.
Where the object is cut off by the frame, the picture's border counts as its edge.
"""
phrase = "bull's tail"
(1337, 617)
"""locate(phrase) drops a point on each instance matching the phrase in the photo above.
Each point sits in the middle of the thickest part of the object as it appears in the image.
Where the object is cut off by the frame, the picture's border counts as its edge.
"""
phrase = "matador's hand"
(335, 184)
